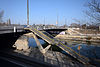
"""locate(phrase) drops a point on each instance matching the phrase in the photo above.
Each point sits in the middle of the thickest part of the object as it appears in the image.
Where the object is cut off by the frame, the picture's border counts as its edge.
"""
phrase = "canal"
(88, 49)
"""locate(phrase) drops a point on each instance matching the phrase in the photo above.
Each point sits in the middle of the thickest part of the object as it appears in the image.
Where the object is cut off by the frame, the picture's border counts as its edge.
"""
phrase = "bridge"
(58, 43)
(11, 29)
(53, 31)
(10, 34)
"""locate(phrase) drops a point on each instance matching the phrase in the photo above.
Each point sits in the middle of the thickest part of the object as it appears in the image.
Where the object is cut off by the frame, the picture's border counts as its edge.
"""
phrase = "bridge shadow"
(8, 39)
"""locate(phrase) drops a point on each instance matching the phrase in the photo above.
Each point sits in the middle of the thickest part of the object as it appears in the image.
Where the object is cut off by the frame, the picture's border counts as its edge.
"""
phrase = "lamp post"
(57, 21)
(27, 12)
(44, 23)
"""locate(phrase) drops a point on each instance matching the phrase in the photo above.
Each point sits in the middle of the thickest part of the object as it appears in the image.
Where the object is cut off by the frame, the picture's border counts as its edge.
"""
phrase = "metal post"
(27, 12)
(57, 21)
(44, 22)
(65, 23)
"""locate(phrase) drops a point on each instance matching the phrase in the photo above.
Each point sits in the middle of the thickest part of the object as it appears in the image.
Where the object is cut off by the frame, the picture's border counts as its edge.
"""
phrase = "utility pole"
(44, 20)
(65, 22)
(27, 12)
(57, 20)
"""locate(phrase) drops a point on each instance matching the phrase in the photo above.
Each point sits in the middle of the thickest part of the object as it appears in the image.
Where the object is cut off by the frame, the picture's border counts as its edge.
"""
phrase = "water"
(87, 49)
(90, 51)
(32, 42)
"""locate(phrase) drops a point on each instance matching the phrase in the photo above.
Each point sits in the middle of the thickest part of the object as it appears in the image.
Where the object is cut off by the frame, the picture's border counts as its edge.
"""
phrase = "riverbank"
(79, 38)
(52, 57)
(80, 35)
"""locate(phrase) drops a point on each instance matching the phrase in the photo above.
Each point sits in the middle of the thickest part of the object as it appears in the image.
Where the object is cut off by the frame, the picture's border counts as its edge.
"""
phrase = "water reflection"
(90, 51)
(87, 48)
(32, 42)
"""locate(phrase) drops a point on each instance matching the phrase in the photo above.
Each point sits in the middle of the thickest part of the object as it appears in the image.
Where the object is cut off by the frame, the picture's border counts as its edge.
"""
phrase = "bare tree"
(80, 21)
(1, 15)
(94, 11)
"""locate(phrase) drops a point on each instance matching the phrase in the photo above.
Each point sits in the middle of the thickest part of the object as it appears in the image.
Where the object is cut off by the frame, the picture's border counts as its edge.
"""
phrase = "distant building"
(74, 25)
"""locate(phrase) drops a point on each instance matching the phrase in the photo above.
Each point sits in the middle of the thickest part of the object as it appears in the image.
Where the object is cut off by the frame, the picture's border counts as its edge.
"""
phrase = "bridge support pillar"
(42, 50)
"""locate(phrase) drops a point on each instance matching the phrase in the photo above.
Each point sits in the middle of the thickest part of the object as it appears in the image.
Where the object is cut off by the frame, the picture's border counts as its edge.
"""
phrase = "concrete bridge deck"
(11, 29)
(58, 43)
(50, 40)
(9, 34)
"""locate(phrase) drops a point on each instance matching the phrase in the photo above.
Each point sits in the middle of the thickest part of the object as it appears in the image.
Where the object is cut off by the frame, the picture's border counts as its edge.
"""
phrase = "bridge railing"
(11, 29)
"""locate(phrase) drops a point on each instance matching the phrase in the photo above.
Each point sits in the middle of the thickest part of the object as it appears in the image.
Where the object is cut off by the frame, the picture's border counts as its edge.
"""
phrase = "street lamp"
(27, 12)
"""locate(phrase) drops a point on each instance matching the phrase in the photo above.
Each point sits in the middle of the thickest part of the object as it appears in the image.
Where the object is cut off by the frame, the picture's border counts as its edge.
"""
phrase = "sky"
(16, 10)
